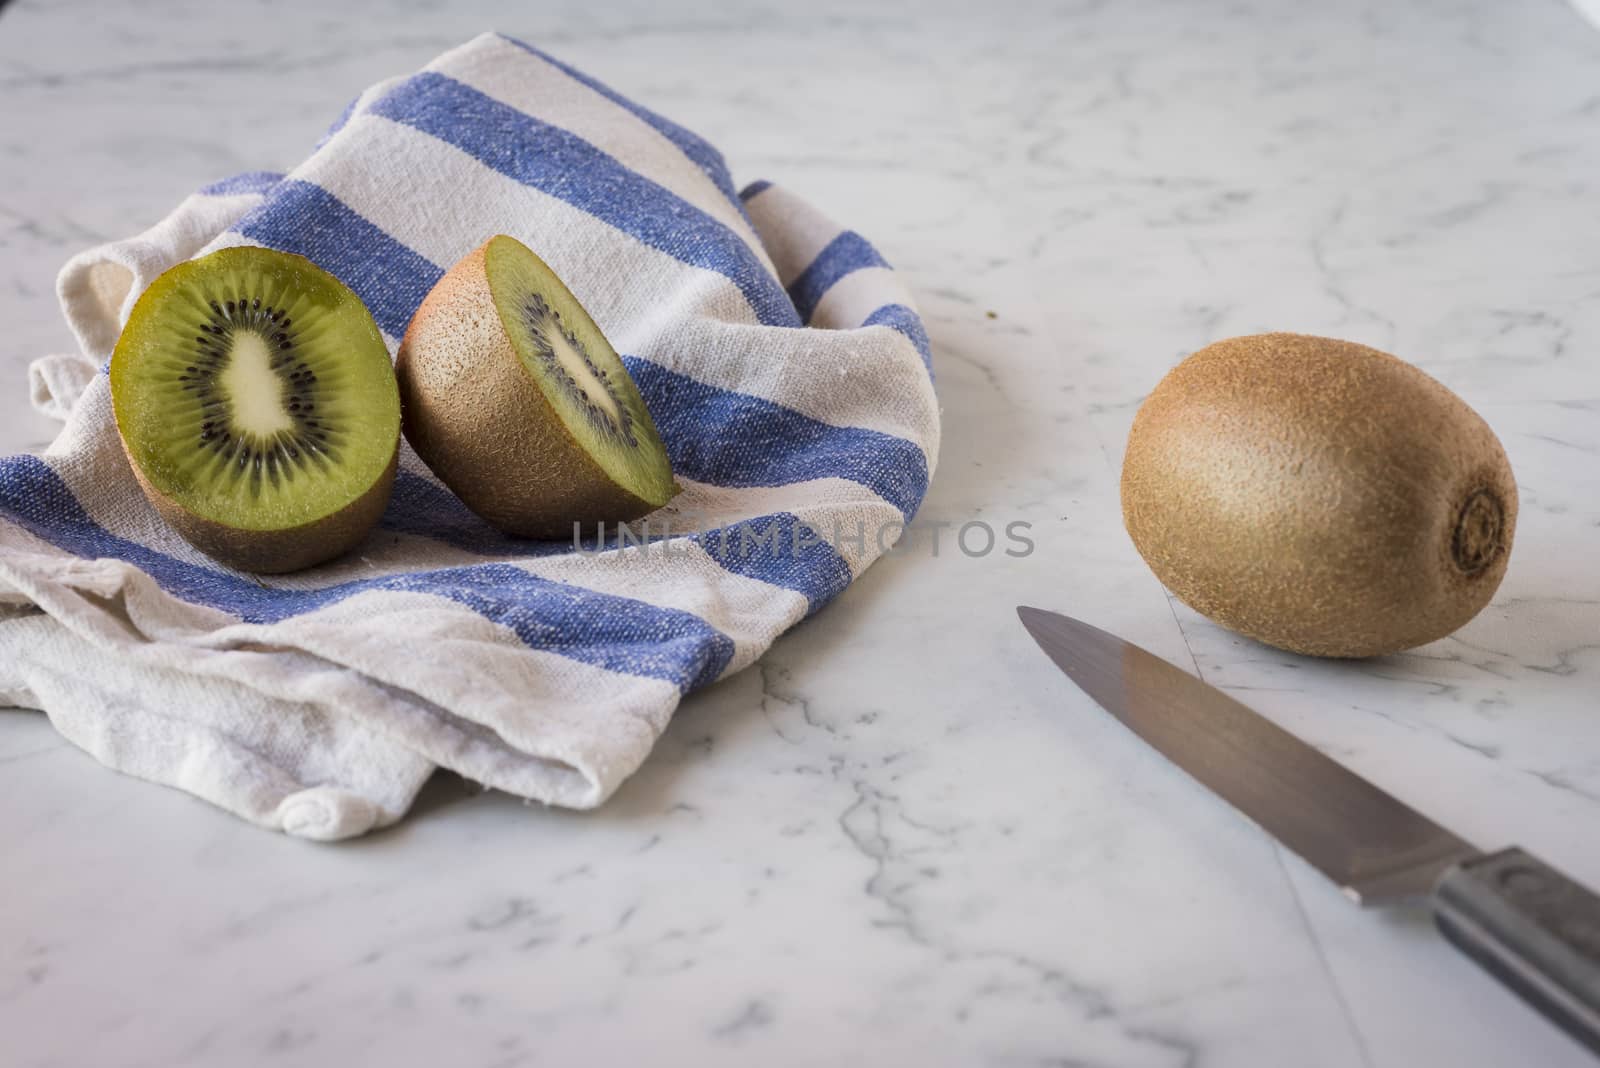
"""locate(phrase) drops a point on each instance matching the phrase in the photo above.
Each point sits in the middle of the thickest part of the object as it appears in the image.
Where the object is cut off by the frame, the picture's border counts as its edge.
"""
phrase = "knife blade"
(1533, 928)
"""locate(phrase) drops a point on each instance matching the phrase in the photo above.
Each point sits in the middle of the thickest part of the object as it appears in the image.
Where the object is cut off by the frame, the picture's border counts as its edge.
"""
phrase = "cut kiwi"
(258, 407)
(515, 399)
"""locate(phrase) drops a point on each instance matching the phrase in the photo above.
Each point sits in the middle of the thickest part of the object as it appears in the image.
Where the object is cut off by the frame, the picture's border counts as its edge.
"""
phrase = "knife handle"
(1532, 928)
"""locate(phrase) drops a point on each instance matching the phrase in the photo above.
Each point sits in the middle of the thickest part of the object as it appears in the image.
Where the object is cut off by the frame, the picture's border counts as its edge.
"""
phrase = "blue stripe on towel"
(734, 439)
(248, 182)
(425, 509)
(845, 254)
(754, 189)
(547, 158)
(389, 278)
(785, 558)
(616, 633)
(782, 550)
(699, 150)
(767, 548)
(903, 320)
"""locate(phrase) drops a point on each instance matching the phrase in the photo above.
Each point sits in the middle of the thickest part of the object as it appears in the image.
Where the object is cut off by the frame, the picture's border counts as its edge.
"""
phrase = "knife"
(1531, 927)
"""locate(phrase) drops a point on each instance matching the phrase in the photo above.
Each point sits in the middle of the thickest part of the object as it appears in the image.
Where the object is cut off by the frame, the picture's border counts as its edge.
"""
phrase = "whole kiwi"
(1318, 495)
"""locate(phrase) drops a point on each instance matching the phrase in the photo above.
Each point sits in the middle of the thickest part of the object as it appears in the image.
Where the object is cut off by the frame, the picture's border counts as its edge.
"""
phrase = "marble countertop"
(903, 838)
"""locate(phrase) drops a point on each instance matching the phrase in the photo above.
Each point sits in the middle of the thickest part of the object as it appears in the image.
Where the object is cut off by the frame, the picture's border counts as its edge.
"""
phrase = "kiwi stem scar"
(1477, 537)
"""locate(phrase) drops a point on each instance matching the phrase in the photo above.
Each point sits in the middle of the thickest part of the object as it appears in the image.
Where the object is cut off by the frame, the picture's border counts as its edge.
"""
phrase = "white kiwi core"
(579, 368)
(254, 389)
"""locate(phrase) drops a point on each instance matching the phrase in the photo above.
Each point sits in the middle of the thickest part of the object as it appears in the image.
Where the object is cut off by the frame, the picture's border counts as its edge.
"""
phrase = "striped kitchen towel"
(780, 356)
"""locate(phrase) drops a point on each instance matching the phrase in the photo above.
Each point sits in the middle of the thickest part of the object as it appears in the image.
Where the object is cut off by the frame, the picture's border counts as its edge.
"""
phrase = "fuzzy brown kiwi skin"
(276, 552)
(474, 414)
(1318, 495)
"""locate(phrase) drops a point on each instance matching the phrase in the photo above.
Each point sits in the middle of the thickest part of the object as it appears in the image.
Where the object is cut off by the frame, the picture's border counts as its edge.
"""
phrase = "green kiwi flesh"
(516, 400)
(258, 407)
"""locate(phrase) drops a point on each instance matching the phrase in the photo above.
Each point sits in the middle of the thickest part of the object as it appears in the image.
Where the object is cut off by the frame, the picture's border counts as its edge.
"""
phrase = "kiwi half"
(515, 399)
(258, 407)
